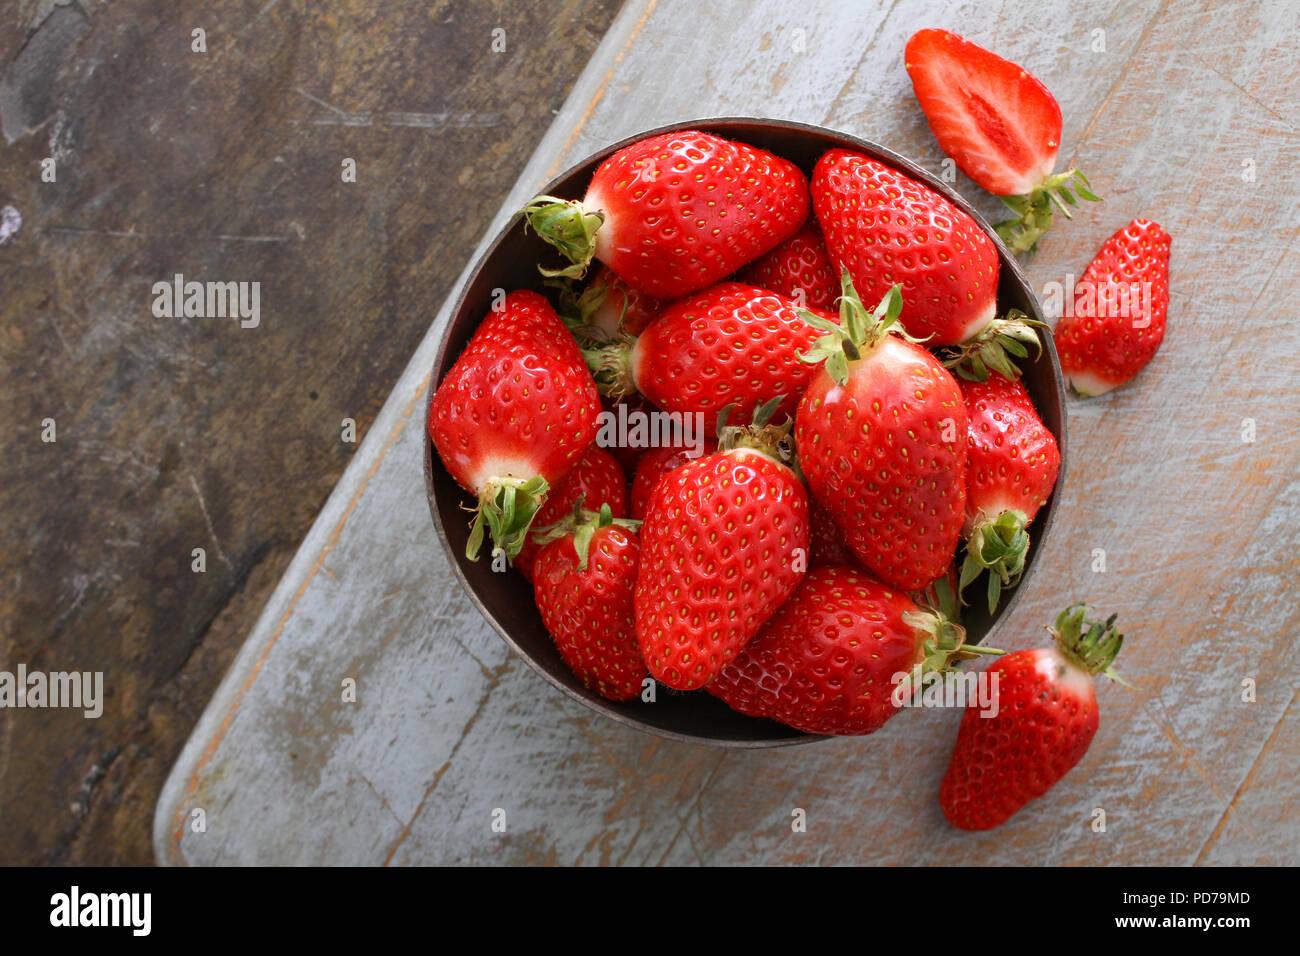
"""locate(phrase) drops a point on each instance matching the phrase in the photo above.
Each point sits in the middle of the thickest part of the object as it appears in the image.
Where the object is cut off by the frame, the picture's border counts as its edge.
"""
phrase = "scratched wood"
(223, 165)
(1199, 528)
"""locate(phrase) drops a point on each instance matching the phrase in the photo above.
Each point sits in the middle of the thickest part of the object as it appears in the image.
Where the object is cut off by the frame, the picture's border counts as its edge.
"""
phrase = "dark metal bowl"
(506, 599)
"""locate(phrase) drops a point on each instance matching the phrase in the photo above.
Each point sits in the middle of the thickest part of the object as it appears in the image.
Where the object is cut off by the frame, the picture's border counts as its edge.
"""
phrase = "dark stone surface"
(183, 433)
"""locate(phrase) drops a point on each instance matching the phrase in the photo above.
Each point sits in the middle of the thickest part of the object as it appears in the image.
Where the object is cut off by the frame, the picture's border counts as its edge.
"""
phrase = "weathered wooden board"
(1181, 112)
(224, 164)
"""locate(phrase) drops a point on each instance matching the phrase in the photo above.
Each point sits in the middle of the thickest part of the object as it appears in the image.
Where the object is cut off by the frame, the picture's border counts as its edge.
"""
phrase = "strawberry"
(799, 268)
(732, 344)
(881, 434)
(513, 416)
(585, 586)
(653, 465)
(887, 229)
(675, 213)
(1001, 126)
(1046, 716)
(1011, 470)
(607, 308)
(718, 554)
(831, 659)
(596, 480)
(1119, 311)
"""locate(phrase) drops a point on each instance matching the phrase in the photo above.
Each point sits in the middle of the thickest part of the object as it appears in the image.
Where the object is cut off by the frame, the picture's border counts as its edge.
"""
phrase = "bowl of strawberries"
(740, 428)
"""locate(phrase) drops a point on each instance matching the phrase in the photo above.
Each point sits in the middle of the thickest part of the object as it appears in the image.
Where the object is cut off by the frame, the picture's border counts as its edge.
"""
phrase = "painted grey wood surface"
(1186, 116)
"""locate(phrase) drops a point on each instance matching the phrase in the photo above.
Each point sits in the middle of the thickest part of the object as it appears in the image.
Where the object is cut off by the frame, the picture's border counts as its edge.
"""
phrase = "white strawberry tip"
(1088, 384)
(998, 545)
(1089, 645)
(1033, 209)
(570, 227)
(506, 508)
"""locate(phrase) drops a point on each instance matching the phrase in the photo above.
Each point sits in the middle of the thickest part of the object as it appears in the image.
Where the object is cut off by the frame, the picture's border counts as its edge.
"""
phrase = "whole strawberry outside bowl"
(506, 598)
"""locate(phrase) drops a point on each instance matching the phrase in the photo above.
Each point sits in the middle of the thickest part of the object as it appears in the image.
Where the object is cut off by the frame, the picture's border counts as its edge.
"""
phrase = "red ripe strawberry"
(596, 480)
(677, 212)
(717, 557)
(1011, 470)
(888, 229)
(1046, 716)
(732, 344)
(513, 416)
(1119, 312)
(653, 465)
(1001, 126)
(585, 587)
(830, 660)
(826, 543)
(799, 268)
(881, 434)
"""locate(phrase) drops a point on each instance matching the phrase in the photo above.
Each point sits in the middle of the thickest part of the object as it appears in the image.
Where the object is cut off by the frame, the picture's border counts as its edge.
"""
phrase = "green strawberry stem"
(761, 434)
(997, 545)
(945, 641)
(858, 331)
(569, 227)
(1088, 644)
(577, 307)
(1034, 210)
(506, 508)
(611, 367)
(996, 347)
(583, 525)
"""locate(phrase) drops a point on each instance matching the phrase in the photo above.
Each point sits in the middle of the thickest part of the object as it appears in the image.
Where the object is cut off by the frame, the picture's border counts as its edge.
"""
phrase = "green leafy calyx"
(857, 332)
(570, 227)
(506, 509)
(996, 347)
(1089, 644)
(582, 525)
(1000, 547)
(1034, 210)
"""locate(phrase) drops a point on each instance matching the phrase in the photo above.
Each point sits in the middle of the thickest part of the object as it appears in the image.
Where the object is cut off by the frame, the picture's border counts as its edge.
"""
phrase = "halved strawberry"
(1000, 124)
(675, 213)
(1118, 317)
(513, 416)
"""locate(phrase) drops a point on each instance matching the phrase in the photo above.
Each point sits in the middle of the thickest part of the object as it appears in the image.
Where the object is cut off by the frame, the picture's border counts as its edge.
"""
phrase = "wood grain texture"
(1200, 529)
(174, 434)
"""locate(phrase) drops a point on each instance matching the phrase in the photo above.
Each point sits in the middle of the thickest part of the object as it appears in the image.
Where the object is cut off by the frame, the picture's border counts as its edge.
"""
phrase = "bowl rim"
(720, 125)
